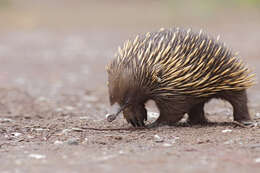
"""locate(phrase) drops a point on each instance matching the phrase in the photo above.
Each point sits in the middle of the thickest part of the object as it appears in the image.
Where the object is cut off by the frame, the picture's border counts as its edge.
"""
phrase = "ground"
(53, 87)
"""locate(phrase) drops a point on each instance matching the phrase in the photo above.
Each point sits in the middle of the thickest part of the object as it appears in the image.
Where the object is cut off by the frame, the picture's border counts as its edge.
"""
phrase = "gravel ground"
(53, 88)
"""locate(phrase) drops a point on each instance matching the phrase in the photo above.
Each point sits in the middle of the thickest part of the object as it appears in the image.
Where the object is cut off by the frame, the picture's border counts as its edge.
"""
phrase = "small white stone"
(58, 142)
(16, 134)
(86, 139)
(4, 120)
(76, 129)
(42, 99)
(37, 156)
(226, 131)
(228, 142)
(122, 152)
(257, 160)
(84, 118)
(40, 129)
(59, 110)
(157, 138)
(29, 136)
(257, 114)
(174, 139)
(65, 131)
(167, 145)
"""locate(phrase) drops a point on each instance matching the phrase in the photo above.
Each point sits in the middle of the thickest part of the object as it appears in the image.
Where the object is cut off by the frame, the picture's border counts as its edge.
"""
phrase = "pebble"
(167, 145)
(41, 99)
(72, 141)
(58, 142)
(229, 142)
(16, 134)
(59, 110)
(37, 156)
(174, 139)
(122, 152)
(226, 131)
(77, 129)
(65, 131)
(257, 115)
(157, 138)
(39, 129)
(5, 120)
(84, 118)
(257, 160)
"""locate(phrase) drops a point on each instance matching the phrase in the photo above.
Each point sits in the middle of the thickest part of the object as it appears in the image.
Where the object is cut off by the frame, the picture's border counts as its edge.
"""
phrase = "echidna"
(180, 70)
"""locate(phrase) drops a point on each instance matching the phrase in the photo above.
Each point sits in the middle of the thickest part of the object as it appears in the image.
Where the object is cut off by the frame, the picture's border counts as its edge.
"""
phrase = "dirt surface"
(53, 87)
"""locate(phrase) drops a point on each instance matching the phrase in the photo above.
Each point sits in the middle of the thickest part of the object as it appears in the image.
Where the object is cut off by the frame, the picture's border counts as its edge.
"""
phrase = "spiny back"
(176, 61)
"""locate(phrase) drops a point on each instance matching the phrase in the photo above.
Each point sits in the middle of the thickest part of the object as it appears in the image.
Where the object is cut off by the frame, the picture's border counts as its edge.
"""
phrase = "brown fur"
(180, 70)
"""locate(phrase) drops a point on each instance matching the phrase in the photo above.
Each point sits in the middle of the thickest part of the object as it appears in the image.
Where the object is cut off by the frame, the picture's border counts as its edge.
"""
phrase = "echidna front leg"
(135, 115)
(196, 114)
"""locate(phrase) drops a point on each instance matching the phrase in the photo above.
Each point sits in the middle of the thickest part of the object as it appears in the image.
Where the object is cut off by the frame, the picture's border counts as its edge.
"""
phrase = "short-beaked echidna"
(180, 70)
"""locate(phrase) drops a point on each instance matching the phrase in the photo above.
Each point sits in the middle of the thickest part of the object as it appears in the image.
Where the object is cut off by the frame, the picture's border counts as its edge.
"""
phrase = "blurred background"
(54, 46)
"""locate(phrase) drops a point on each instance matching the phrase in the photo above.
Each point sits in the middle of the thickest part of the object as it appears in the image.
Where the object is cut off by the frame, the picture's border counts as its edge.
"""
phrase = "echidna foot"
(246, 123)
(160, 123)
(203, 121)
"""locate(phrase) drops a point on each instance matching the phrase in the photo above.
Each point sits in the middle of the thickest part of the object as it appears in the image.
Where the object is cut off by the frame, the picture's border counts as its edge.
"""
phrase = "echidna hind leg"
(196, 114)
(238, 100)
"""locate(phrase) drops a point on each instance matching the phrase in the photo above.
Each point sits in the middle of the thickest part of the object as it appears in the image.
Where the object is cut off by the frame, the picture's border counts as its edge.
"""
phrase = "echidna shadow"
(180, 70)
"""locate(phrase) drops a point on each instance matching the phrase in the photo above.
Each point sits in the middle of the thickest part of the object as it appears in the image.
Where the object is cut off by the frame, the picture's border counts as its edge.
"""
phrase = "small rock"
(257, 115)
(65, 131)
(5, 120)
(37, 156)
(59, 110)
(257, 160)
(84, 118)
(228, 142)
(77, 129)
(122, 152)
(167, 145)
(41, 99)
(174, 139)
(16, 134)
(58, 142)
(39, 129)
(157, 138)
(226, 131)
(72, 141)
(30, 136)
